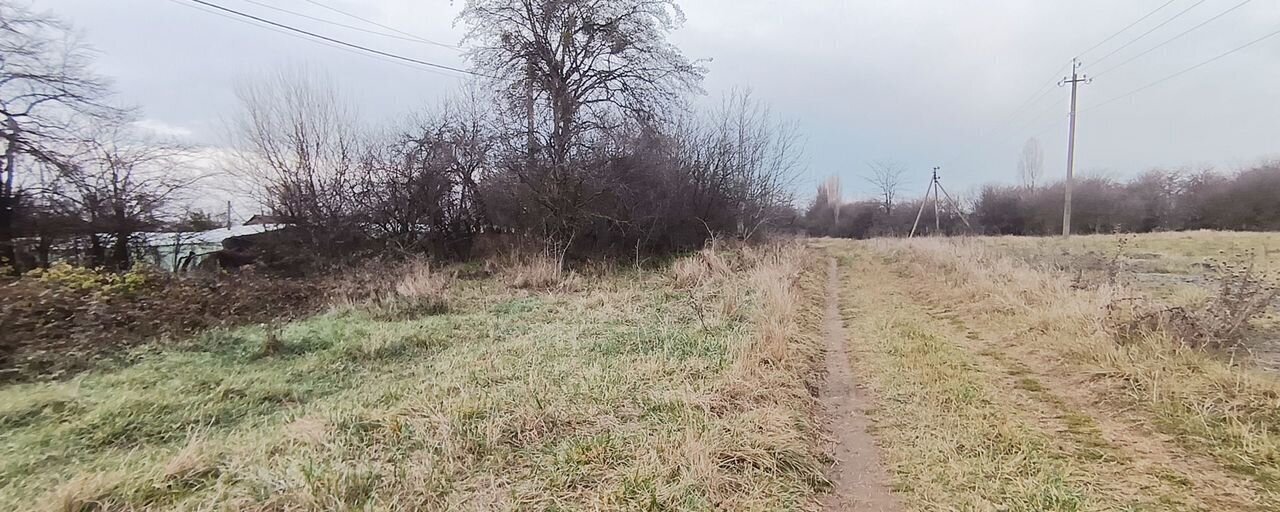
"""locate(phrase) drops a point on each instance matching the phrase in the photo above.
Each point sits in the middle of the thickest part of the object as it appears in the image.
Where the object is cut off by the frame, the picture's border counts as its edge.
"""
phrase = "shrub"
(1222, 322)
(93, 279)
(541, 271)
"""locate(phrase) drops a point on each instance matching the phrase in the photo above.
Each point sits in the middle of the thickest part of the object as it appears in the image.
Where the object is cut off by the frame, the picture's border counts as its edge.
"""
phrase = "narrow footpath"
(859, 480)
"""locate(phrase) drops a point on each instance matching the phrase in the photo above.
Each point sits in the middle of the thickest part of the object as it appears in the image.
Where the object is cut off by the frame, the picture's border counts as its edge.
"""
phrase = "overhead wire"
(343, 25)
(308, 39)
(1047, 88)
(1184, 71)
(380, 25)
(335, 40)
(1148, 32)
(1127, 27)
(1174, 38)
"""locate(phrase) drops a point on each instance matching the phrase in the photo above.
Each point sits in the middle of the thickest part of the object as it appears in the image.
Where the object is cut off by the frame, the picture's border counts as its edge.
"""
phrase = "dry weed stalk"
(1221, 322)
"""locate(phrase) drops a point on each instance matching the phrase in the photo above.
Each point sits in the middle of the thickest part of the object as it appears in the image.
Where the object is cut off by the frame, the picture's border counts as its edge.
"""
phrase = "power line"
(336, 41)
(308, 39)
(380, 25)
(1172, 39)
(1127, 27)
(1145, 34)
(1039, 94)
(1047, 88)
(338, 24)
(1187, 70)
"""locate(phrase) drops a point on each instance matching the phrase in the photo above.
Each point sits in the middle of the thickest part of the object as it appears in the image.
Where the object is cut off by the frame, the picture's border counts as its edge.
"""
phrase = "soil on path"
(858, 479)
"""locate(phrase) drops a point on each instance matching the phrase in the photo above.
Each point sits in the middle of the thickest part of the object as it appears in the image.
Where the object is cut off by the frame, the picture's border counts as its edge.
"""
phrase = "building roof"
(268, 219)
(211, 237)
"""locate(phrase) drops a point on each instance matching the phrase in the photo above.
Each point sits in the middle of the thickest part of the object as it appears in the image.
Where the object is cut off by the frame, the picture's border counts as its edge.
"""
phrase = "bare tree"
(1031, 163)
(886, 176)
(421, 189)
(120, 184)
(831, 187)
(300, 148)
(575, 68)
(47, 92)
(763, 157)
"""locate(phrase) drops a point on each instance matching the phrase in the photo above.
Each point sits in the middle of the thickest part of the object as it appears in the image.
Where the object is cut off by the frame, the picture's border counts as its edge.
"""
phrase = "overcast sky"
(920, 82)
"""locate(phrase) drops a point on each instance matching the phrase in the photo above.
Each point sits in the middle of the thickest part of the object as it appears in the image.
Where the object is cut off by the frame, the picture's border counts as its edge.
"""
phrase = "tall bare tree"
(763, 156)
(887, 177)
(300, 148)
(574, 68)
(47, 93)
(1031, 163)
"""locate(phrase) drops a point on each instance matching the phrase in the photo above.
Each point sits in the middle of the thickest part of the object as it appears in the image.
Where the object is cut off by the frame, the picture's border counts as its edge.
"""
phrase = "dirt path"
(859, 481)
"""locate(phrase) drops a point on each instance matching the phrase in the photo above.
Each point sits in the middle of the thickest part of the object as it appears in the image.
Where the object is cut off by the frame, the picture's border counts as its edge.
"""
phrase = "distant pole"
(932, 189)
(228, 214)
(1075, 81)
(923, 203)
(937, 216)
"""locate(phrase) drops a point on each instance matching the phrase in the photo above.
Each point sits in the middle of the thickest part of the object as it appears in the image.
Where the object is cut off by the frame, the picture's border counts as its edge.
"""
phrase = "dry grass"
(1059, 331)
(611, 395)
(541, 271)
(406, 289)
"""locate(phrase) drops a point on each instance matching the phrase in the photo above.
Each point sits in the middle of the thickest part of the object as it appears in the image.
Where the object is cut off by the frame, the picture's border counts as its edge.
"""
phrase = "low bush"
(1223, 321)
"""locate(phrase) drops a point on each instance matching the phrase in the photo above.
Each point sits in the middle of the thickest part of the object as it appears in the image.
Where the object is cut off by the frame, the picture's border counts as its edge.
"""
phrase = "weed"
(1221, 322)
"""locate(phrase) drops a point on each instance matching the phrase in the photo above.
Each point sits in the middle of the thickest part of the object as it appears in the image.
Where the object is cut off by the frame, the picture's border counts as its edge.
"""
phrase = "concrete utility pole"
(1075, 80)
(937, 217)
(935, 187)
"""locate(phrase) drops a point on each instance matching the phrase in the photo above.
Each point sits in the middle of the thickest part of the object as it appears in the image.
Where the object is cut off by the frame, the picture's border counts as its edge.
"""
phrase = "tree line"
(578, 136)
(1156, 200)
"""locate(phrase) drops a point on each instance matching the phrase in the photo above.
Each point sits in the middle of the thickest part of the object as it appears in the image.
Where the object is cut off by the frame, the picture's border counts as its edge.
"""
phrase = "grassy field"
(1176, 269)
(1001, 386)
(682, 388)
(999, 377)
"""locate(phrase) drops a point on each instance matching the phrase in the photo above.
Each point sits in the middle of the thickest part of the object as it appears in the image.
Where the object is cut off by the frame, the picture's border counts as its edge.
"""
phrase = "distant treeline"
(1153, 201)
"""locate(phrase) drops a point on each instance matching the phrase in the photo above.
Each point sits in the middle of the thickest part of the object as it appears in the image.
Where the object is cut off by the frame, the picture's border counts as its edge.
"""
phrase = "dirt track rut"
(858, 478)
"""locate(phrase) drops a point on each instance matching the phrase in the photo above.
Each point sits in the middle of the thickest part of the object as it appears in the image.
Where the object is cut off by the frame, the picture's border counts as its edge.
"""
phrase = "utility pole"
(937, 217)
(935, 187)
(1075, 80)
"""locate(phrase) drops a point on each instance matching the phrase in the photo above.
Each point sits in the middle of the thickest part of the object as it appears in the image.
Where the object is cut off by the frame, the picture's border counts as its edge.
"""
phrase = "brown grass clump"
(392, 291)
(533, 271)
(768, 395)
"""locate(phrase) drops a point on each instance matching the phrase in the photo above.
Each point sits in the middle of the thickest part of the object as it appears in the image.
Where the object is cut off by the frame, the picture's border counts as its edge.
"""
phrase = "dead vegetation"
(609, 395)
(1222, 322)
(1204, 402)
(60, 322)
